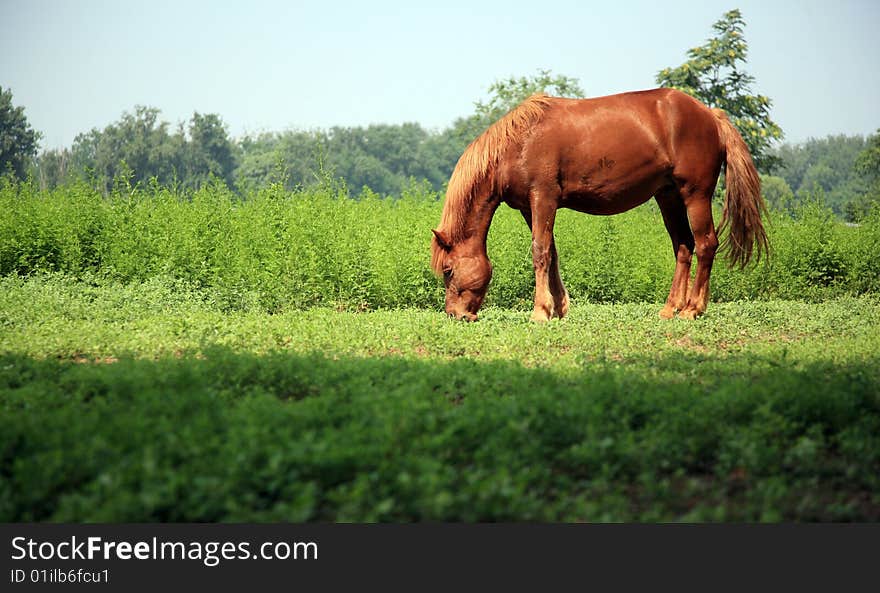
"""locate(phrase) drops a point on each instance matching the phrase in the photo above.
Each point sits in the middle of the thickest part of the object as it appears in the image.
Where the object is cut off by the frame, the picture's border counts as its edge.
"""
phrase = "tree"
(868, 161)
(838, 152)
(868, 166)
(382, 157)
(18, 141)
(714, 75)
(52, 167)
(260, 158)
(209, 151)
(828, 163)
(776, 192)
(140, 147)
(508, 93)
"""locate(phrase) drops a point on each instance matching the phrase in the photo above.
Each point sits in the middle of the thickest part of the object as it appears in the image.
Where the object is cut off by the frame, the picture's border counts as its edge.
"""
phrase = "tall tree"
(868, 166)
(18, 141)
(210, 152)
(507, 93)
(868, 161)
(714, 74)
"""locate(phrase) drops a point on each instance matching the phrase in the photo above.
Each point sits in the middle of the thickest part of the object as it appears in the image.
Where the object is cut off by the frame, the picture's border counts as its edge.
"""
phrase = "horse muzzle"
(463, 316)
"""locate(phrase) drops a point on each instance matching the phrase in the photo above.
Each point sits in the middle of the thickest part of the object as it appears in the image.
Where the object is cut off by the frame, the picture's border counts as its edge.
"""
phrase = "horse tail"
(743, 204)
(474, 174)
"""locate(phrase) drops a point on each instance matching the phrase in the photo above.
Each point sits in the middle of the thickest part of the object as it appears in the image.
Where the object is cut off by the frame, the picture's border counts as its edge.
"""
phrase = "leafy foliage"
(868, 166)
(384, 158)
(278, 250)
(140, 148)
(18, 141)
(868, 161)
(827, 165)
(777, 193)
(141, 378)
(714, 75)
(209, 153)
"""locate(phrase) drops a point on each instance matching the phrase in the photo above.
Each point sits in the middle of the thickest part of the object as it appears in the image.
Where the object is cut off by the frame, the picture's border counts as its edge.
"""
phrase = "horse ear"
(442, 239)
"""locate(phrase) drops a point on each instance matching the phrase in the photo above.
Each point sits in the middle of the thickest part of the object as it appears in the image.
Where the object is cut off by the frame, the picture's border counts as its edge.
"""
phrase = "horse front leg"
(557, 287)
(543, 207)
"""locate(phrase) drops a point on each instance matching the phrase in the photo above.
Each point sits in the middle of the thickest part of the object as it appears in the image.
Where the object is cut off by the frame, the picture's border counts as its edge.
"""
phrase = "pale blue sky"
(272, 65)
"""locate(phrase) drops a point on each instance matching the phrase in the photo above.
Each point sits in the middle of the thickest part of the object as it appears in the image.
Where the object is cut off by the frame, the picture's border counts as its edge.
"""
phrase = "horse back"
(609, 154)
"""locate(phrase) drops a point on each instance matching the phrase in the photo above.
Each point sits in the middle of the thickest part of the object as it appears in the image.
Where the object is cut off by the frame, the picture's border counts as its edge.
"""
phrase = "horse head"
(466, 273)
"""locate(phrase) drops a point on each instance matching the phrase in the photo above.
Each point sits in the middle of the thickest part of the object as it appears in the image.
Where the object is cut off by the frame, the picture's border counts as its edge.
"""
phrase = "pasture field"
(283, 356)
(154, 401)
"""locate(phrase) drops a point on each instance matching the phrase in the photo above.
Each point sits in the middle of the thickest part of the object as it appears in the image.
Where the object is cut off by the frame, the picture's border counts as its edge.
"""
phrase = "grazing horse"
(600, 156)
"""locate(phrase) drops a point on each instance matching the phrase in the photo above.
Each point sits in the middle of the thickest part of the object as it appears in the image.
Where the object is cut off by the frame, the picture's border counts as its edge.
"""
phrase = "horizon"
(385, 64)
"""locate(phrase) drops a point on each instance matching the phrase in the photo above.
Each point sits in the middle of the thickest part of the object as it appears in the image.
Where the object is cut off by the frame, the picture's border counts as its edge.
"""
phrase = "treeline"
(841, 172)
(844, 170)
(139, 148)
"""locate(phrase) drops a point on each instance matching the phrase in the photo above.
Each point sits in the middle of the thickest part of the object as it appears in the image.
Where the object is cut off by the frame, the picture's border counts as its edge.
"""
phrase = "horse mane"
(475, 170)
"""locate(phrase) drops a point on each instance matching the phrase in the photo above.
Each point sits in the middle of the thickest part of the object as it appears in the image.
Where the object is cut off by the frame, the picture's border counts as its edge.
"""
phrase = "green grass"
(198, 356)
(154, 401)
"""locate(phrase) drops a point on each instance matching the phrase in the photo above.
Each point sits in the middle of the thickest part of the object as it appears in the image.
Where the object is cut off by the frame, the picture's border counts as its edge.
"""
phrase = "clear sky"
(275, 65)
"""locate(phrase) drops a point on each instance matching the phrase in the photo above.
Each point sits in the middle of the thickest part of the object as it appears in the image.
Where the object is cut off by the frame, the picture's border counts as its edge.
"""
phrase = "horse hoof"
(667, 312)
(689, 314)
(562, 311)
(540, 317)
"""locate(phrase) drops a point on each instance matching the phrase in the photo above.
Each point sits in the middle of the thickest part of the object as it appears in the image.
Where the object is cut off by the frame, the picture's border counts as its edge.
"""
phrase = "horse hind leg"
(699, 211)
(675, 217)
(557, 288)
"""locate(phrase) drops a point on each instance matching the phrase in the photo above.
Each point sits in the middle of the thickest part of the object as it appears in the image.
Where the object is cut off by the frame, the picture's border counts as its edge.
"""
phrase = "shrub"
(278, 250)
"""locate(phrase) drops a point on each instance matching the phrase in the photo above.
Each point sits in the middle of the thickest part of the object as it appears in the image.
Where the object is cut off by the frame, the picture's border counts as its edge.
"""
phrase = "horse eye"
(447, 274)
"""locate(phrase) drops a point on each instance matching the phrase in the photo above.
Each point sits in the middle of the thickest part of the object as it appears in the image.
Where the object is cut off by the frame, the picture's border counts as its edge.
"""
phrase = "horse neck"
(479, 220)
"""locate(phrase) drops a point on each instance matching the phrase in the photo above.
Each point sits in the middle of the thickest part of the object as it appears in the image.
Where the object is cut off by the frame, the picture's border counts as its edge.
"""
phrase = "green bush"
(277, 250)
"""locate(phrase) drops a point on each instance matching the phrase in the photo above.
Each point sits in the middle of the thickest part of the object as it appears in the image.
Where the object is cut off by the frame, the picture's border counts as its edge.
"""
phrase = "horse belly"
(611, 195)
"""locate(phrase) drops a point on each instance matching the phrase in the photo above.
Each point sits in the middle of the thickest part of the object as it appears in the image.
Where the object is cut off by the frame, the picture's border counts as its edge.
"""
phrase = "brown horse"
(600, 156)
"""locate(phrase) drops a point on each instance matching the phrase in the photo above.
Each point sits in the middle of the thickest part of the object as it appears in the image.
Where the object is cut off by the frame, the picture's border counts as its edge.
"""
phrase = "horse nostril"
(462, 316)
